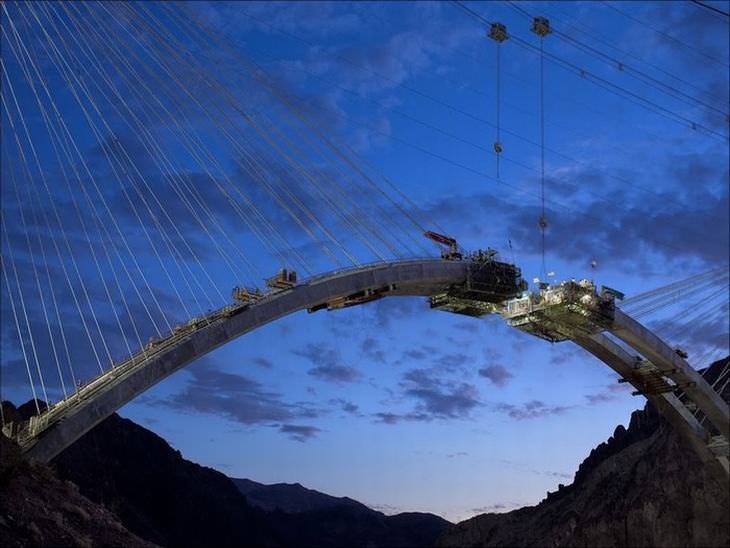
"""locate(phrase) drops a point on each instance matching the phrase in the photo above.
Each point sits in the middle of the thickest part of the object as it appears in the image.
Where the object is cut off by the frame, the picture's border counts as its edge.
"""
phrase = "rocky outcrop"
(38, 509)
(642, 487)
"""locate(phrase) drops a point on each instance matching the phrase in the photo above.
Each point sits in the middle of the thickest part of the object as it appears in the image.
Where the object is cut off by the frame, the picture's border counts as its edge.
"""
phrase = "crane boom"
(452, 247)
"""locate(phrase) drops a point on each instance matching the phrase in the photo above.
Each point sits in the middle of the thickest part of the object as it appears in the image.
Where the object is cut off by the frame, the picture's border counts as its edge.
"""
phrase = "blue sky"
(392, 404)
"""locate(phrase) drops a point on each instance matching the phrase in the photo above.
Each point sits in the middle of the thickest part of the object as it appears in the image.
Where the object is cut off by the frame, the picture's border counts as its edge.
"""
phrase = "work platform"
(563, 311)
(489, 284)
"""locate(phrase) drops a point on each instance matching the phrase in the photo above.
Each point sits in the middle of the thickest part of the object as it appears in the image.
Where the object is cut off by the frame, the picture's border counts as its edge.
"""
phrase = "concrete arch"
(54, 430)
(467, 286)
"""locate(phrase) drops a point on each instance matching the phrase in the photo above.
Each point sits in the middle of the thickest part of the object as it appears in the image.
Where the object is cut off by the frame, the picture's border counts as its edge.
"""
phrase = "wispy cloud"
(328, 364)
(238, 398)
(298, 432)
(497, 374)
(532, 409)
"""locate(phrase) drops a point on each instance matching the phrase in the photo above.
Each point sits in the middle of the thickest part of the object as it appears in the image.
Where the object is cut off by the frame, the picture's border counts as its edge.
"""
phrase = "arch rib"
(675, 367)
(469, 287)
(668, 404)
(49, 434)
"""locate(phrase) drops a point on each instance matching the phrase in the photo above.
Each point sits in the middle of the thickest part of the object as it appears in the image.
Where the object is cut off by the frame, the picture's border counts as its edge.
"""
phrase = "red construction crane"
(451, 251)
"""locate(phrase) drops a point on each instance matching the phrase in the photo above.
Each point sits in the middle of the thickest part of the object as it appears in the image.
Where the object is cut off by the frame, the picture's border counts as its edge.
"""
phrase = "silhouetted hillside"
(173, 502)
(642, 487)
(291, 498)
(156, 493)
(38, 509)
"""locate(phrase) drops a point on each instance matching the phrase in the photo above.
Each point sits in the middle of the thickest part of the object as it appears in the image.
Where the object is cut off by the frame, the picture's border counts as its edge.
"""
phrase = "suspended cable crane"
(498, 33)
(541, 27)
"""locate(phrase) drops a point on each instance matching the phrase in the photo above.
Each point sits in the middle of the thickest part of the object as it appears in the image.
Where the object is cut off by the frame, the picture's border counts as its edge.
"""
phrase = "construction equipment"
(284, 279)
(619, 295)
(451, 251)
(559, 312)
(541, 26)
(488, 285)
(360, 297)
(245, 295)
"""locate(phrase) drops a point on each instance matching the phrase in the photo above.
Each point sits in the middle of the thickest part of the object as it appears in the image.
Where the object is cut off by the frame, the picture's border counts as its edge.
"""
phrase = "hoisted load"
(451, 251)
(541, 26)
(498, 32)
(284, 279)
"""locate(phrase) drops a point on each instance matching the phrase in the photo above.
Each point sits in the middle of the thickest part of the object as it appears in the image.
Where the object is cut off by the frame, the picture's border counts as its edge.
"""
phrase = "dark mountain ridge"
(290, 498)
(641, 487)
(170, 501)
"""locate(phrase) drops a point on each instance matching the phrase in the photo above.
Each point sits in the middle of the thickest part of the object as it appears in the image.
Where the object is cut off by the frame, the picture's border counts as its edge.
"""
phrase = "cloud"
(610, 393)
(497, 507)
(470, 327)
(335, 373)
(438, 398)
(497, 374)
(452, 362)
(561, 354)
(234, 397)
(371, 349)
(421, 354)
(318, 19)
(612, 220)
(263, 362)
(387, 418)
(388, 65)
(346, 406)
(533, 409)
(601, 397)
(299, 433)
(328, 366)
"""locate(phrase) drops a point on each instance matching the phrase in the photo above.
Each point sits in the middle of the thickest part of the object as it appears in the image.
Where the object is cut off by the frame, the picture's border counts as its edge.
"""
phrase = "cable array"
(688, 312)
(151, 166)
(144, 183)
(606, 84)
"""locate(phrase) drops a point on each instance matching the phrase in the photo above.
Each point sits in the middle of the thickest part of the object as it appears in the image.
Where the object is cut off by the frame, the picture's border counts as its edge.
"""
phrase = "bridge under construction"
(477, 285)
(149, 164)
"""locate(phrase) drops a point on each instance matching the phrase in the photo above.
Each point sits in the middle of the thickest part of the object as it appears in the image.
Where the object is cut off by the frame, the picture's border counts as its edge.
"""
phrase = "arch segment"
(577, 311)
(669, 404)
(54, 430)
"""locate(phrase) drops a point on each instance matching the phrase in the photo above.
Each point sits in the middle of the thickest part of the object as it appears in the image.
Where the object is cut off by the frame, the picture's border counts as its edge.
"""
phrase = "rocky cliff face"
(38, 509)
(640, 488)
